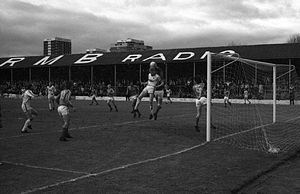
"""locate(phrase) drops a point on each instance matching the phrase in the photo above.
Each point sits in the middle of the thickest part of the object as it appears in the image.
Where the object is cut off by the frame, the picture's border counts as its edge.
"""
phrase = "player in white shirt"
(226, 98)
(153, 79)
(169, 92)
(246, 96)
(64, 101)
(111, 100)
(94, 95)
(51, 99)
(201, 101)
(27, 108)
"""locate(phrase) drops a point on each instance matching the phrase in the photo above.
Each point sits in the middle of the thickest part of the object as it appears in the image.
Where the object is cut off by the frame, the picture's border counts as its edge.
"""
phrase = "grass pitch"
(111, 152)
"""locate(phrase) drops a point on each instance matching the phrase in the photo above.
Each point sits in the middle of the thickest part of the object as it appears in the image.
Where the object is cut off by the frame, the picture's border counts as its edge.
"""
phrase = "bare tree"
(295, 38)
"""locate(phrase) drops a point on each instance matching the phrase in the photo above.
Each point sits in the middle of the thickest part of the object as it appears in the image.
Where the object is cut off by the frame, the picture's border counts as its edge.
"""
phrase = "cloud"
(161, 23)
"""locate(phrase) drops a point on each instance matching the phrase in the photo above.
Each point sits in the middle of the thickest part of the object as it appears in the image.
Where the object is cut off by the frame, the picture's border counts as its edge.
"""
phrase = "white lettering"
(204, 55)
(132, 58)
(44, 61)
(157, 56)
(178, 56)
(88, 58)
(12, 61)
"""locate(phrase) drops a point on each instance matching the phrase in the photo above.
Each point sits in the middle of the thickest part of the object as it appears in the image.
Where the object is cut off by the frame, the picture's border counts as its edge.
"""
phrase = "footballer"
(64, 101)
(110, 93)
(153, 79)
(28, 110)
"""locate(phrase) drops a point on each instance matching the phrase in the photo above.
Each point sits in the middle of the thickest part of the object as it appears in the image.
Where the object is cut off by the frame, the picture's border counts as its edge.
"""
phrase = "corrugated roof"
(255, 52)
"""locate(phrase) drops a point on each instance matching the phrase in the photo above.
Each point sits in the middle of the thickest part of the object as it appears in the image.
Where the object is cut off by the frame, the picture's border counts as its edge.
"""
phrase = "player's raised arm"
(68, 99)
(31, 94)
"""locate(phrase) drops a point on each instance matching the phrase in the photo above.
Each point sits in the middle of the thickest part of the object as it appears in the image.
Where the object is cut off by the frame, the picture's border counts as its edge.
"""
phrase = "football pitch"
(112, 152)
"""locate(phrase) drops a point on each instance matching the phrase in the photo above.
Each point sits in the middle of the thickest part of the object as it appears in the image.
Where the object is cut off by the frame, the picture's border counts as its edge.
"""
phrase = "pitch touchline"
(93, 126)
(43, 168)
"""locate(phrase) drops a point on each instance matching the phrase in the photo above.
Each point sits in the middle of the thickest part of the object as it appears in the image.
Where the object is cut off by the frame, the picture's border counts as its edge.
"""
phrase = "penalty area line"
(43, 168)
(94, 126)
(261, 126)
(241, 132)
(141, 162)
(114, 169)
(292, 119)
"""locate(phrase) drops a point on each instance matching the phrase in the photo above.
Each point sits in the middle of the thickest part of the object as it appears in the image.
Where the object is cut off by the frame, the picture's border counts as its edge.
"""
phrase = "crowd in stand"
(181, 87)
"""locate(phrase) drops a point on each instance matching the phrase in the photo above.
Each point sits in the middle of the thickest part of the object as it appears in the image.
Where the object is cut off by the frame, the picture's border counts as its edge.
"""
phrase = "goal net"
(251, 103)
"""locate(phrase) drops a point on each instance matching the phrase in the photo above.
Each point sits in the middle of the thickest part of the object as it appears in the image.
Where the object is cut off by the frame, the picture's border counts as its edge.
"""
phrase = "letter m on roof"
(45, 61)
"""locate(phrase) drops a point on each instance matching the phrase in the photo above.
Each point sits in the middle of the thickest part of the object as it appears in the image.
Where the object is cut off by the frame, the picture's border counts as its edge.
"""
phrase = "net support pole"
(194, 70)
(255, 81)
(208, 106)
(70, 73)
(290, 63)
(274, 94)
(11, 75)
(224, 72)
(92, 75)
(140, 72)
(49, 74)
(166, 69)
(29, 72)
(115, 77)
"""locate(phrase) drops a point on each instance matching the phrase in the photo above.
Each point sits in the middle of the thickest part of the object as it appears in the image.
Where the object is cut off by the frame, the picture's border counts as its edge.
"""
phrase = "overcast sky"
(160, 23)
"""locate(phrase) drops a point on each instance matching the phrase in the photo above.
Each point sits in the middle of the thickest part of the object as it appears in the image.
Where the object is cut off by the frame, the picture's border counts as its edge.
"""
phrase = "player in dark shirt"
(159, 92)
(292, 95)
(133, 92)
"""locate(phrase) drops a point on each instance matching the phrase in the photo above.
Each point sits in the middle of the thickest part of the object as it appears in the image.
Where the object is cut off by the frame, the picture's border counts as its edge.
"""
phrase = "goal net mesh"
(246, 120)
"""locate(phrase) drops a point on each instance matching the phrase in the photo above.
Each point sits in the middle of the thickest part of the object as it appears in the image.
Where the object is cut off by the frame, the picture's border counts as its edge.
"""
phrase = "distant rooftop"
(58, 39)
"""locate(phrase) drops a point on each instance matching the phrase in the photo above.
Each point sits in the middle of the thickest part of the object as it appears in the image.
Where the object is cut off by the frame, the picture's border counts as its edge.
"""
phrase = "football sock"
(26, 124)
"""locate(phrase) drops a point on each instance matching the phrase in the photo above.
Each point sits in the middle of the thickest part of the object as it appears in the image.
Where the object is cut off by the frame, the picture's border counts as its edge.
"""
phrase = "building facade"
(95, 50)
(129, 45)
(57, 46)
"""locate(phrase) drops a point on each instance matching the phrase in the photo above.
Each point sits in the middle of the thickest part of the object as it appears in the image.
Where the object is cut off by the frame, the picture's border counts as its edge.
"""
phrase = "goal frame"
(208, 56)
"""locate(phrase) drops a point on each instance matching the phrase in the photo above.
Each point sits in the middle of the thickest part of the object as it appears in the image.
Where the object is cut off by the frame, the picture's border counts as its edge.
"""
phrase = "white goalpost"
(208, 108)
(250, 72)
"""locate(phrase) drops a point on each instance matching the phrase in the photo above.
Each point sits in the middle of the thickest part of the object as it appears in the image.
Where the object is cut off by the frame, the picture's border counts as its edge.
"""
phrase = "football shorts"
(109, 99)
(51, 97)
(201, 101)
(26, 108)
(159, 94)
(63, 110)
(134, 97)
(148, 89)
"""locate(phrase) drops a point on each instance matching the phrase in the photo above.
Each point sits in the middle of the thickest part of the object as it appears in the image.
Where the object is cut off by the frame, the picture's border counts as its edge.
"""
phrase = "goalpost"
(250, 72)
